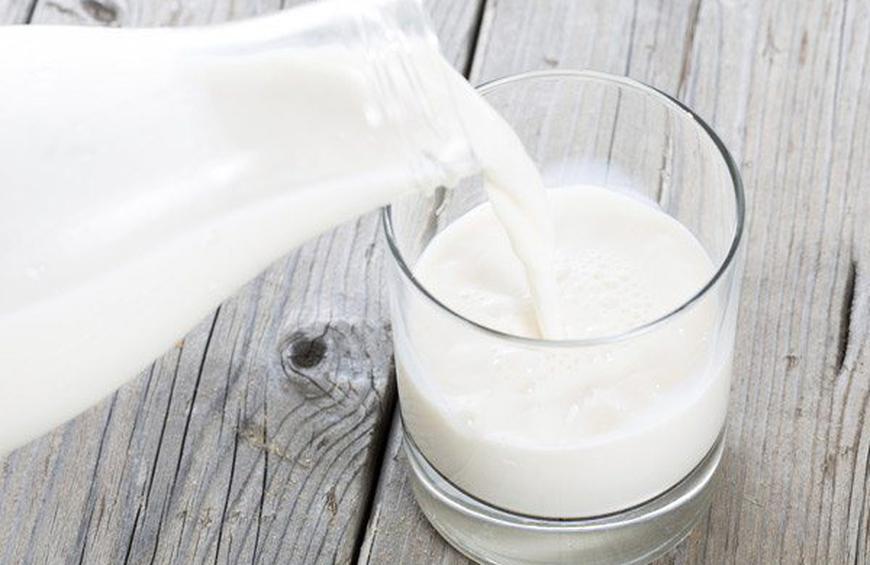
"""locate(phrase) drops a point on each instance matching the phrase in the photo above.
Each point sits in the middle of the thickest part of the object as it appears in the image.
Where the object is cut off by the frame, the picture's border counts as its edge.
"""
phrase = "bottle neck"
(415, 92)
(391, 47)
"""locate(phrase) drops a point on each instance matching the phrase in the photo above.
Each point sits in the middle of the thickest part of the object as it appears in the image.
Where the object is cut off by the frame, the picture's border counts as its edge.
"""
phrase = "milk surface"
(564, 431)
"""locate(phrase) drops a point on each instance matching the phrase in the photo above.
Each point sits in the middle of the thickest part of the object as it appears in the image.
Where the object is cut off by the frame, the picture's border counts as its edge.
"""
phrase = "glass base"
(493, 536)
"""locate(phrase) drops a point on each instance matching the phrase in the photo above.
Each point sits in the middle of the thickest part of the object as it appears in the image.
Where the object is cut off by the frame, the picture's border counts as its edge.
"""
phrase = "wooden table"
(269, 434)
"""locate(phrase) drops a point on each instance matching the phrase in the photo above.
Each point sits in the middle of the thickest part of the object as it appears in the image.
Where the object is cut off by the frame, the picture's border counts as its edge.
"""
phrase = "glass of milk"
(601, 447)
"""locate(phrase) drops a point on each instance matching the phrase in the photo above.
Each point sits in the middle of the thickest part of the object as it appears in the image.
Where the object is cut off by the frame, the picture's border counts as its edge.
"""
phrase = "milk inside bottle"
(149, 173)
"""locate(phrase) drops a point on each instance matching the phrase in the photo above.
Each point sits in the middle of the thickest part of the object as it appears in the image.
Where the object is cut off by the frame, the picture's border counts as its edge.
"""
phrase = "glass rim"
(666, 100)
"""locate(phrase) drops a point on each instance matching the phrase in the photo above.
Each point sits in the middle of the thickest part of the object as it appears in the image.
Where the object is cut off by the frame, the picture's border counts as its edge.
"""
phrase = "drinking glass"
(618, 498)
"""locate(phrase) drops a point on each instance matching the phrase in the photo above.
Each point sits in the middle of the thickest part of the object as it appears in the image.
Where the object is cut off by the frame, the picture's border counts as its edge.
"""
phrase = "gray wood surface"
(787, 86)
(16, 12)
(259, 437)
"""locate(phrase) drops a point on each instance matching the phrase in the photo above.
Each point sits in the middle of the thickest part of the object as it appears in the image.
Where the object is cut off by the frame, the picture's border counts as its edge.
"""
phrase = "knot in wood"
(306, 352)
(309, 356)
(341, 360)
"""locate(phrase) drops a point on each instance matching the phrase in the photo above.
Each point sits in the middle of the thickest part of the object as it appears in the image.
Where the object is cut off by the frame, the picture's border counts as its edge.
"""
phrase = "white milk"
(570, 431)
(147, 174)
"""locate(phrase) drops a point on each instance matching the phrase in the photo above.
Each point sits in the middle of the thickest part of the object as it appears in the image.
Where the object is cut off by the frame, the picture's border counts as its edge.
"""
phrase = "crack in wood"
(85, 526)
(688, 46)
(263, 483)
(194, 394)
(31, 9)
(153, 474)
(170, 494)
(843, 337)
(380, 441)
(132, 536)
(220, 532)
(474, 38)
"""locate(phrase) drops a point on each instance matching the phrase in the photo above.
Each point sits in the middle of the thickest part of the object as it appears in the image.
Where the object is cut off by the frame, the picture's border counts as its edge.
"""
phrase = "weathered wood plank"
(132, 13)
(785, 85)
(794, 428)
(15, 11)
(258, 437)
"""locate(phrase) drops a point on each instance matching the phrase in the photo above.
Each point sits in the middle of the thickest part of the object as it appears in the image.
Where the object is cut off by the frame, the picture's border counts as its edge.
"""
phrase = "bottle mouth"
(721, 268)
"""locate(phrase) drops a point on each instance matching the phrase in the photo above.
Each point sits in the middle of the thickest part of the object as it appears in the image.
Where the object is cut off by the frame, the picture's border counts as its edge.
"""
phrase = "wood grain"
(258, 438)
(16, 11)
(785, 84)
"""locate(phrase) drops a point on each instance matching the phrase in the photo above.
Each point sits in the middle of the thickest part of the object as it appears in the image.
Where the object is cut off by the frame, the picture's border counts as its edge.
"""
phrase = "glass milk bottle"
(149, 173)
